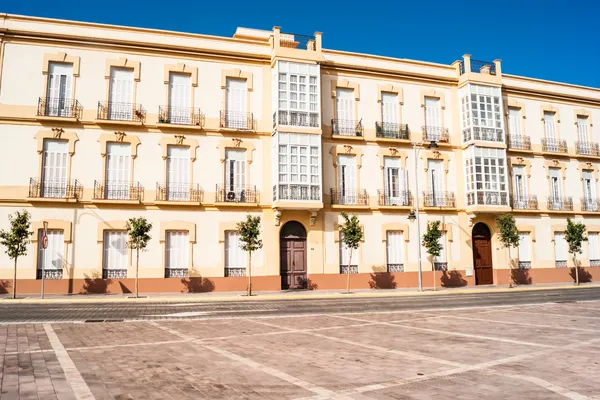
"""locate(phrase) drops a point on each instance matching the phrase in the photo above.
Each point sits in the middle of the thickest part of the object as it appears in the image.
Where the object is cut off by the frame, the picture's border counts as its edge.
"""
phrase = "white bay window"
(486, 176)
(481, 113)
(298, 94)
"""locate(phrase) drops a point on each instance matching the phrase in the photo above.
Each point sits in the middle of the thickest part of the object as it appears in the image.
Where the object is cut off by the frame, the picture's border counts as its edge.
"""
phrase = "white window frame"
(560, 249)
(594, 249)
(298, 94)
(235, 257)
(395, 251)
(347, 179)
(51, 258)
(344, 255)
(485, 172)
(177, 250)
(180, 98)
(481, 110)
(115, 250)
(298, 166)
(55, 168)
(524, 249)
(178, 173)
(60, 89)
(118, 170)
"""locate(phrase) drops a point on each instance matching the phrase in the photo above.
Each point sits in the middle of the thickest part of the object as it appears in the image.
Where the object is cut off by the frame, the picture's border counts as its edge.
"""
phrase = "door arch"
(482, 254)
(292, 256)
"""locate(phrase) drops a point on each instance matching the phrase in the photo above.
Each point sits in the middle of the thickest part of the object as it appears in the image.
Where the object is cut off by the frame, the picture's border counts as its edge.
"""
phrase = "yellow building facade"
(102, 123)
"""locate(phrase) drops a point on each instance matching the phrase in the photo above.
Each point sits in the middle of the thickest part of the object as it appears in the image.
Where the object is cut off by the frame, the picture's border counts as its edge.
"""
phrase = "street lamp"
(414, 214)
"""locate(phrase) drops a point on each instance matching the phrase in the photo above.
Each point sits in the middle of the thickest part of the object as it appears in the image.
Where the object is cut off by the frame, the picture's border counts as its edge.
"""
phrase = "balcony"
(236, 194)
(351, 197)
(296, 192)
(524, 202)
(435, 134)
(114, 273)
(482, 133)
(300, 42)
(128, 191)
(179, 192)
(346, 127)
(587, 149)
(128, 112)
(176, 273)
(487, 199)
(394, 198)
(391, 130)
(296, 118)
(50, 274)
(235, 272)
(479, 66)
(560, 203)
(554, 146)
(590, 204)
(58, 107)
(50, 189)
(242, 121)
(180, 116)
(519, 142)
(442, 200)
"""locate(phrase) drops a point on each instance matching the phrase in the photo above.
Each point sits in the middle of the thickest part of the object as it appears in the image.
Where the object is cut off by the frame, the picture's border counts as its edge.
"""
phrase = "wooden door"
(293, 263)
(482, 255)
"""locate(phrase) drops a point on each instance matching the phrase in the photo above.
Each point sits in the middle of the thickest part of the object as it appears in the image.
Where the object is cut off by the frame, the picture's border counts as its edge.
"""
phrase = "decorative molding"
(392, 152)
(181, 68)
(109, 226)
(118, 137)
(388, 88)
(336, 228)
(345, 84)
(395, 226)
(520, 161)
(235, 143)
(513, 103)
(555, 164)
(61, 58)
(190, 227)
(53, 224)
(527, 228)
(122, 63)
(345, 149)
(57, 134)
(583, 166)
(436, 94)
(448, 229)
(276, 217)
(236, 73)
(226, 227)
(313, 218)
(178, 140)
(582, 112)
(557, 228)
(550, 108)
(436, 155)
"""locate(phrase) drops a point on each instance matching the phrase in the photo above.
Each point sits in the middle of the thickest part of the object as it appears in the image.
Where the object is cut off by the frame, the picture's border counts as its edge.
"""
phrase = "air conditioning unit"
(230, 196)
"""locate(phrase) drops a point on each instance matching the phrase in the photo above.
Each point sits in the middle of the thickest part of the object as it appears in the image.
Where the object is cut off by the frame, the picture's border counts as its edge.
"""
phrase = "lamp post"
(414, 214)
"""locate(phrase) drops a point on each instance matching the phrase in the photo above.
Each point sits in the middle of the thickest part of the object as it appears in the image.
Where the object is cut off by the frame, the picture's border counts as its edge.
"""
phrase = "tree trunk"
(14, 296)
(250, 273)
(348, 273)
(433, 270)
(510, 270)
(137, 269)
(576, 270)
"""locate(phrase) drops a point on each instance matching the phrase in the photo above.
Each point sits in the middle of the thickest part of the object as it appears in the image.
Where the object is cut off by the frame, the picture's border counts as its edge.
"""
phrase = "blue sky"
(548, 39)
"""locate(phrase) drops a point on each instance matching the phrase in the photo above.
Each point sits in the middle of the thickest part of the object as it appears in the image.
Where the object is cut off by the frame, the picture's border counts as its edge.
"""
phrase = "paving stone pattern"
(535, 351)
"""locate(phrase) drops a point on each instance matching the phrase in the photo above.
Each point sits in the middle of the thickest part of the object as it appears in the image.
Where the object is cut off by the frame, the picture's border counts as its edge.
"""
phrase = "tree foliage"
(138, 230)
(509, 234)
(351, 232)
(250, 233)
(575, 236)
(431, 239)
(16, 239)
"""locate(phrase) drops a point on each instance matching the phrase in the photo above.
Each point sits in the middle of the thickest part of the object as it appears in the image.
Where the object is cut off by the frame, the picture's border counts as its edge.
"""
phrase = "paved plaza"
(535, 351)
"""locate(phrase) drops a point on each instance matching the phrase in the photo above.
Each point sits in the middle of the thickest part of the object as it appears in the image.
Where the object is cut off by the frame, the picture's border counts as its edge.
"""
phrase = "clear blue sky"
(548, 39)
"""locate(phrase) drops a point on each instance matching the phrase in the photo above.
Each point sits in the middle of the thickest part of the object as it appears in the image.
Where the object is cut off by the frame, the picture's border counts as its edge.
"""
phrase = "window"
(594, 249)
(60, 86)
(560, 250)
(395, 182)
(589, 192)
(298, 91)
(120, 105)
(235, 170)
(440, 262)
(395, 260)
(582, 129)
(235, 104)
(115, 255)
(514, 121)
(524, 250)
(345, 258)
(54, 168)
(176, 254)
(347, 179)
(389, 109)
(549, 126)
(179, 98)
(298, 166)
(432, 118)
(555, 189)
(344, 105)
(486, 176)
(118, 158)
(178, 173)
(51, 259)
(519, 187)
(480, 111)
(235, 257)
(435, 179)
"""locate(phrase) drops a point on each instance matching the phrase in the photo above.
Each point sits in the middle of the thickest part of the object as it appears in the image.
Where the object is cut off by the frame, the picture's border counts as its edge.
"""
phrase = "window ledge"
(488, 209)
(513, 150)
(362, 138)
(350, 206)
(553, 154)
(164, 126)
(50, 200)
(117, 122)
(437, 208)
(234, 204)
(221, 129)
(177, 203)
(111, 201)
(308, 205)
(398, 208)
(392, 140)
(484, 143)
(72, 120)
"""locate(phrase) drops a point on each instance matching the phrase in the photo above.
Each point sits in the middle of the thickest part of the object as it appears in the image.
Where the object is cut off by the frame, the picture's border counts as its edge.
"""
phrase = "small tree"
(137, 229)
(351, 235)
(575, 236)
(250, 241)
(431, 241)
(16, 239)
(509, 236)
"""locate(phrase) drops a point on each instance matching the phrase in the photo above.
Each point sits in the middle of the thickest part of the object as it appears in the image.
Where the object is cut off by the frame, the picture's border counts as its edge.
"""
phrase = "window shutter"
(178, 172)
(442, 256)
(53, 257)
(115, 250)
(236, 95)
(524, 247)
(235, 257)
(55, 159)
(593, 244)
(235, 168)
(582, 128)
(520, 188)
(555, 183)
(394, 247)
(436, 181)
(121, 93)
(560, 251)
(549, 125)
(389, 108)
(344, 254)
(344, 104)
(177, 250)
(118, 157)
(514, 121)
(432, 112)
(347, 175)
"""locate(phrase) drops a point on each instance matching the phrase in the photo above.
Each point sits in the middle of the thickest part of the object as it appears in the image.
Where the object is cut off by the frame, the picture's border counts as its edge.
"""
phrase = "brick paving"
(535, 351)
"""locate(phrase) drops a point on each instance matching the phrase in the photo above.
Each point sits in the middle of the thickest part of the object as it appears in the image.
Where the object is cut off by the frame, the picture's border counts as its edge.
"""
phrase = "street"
(522, 344)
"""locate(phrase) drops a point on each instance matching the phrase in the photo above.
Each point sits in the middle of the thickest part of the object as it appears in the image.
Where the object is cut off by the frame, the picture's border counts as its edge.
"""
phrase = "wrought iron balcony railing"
(441, 199)
(344, 269)
(118, 191)
(59, 107)
(435, 134)
(237, 194)
(50, 274)
(176, 272)
(587, 148)
(50, 189)
(235, 271)
(482, 133)
(524, 264)
(347, 127)
(114, 273)
(296, 118)
(560, 203)
(554, 145)
(179, 192)
(398, 267)
(477, 65)
(297, 192)
(560, 263)
(180, 116)
(440, 265)
(300, 42)
(111, 111)
(487, 198)
(391, 130)
(590, 204)
(242, 121)
(524, 202)
(356, 197)
(519, 142)
(388, 197)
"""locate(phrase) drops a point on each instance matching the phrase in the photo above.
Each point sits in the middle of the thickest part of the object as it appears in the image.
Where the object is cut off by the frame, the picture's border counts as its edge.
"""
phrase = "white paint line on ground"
(187, 314)
(568, 328)
(558, 315)
(14, 353)
(569, 394)
(111, 346)
(72, 375)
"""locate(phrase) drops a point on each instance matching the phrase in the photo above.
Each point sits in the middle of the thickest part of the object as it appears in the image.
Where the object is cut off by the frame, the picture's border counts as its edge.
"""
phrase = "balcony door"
(550, 131)
(55, 166)
(432, 116)
(344, 112)
(121, 94)
(514, 121)
(589, 191)
(394, 181)
(235, 103)
(178, 173)
(118, 159)
(555, 189)
(435, 183)
(347, 179)
(389, 114)
(60, 83)
(520, 189)
(179, 98)
(582, 129)
(235, 173)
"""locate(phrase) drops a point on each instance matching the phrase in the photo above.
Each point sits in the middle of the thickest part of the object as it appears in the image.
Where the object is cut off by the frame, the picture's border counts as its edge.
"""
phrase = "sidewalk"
(277, 295)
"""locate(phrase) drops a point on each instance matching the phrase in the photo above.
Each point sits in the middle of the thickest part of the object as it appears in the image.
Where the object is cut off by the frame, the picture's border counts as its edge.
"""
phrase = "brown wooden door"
(482, 255)
(293, 263)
